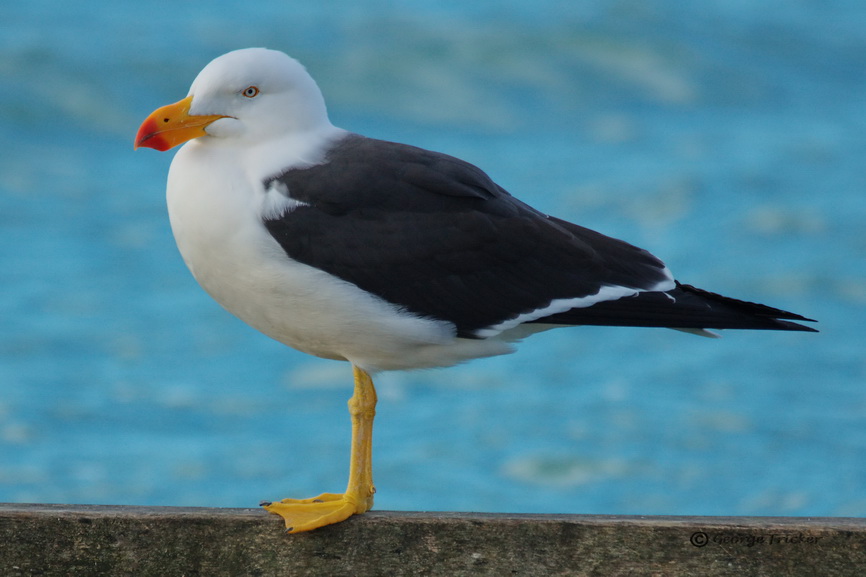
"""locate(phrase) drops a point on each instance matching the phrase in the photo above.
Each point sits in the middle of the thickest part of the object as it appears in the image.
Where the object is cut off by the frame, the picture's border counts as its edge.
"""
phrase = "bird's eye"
(251, 91)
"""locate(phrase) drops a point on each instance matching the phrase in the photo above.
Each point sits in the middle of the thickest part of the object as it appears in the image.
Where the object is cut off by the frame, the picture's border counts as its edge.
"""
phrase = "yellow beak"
(171, 125)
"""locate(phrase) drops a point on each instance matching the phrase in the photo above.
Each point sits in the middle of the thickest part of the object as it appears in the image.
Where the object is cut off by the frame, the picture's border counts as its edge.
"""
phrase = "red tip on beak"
(148, 135)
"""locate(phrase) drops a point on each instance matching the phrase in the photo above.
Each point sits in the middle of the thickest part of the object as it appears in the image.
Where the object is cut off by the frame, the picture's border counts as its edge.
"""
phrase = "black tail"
(684, 307)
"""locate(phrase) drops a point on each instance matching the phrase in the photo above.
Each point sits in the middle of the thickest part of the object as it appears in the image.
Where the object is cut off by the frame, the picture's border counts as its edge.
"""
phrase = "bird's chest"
(211, 219)
(216, 220)
(224, 243)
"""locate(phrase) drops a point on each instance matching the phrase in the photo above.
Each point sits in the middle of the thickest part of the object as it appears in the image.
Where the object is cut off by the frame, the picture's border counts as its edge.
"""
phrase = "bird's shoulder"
(360, 172)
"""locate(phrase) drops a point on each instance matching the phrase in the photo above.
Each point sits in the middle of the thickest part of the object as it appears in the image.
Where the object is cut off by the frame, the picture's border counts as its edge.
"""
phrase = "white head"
(260, 91)
(253, 94)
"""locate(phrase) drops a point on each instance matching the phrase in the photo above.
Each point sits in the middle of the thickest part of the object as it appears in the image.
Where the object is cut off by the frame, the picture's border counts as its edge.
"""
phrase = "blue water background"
(727, 137)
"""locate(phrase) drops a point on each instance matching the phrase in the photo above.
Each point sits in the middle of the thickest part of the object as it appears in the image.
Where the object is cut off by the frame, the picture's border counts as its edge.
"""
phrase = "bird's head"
(252, 94)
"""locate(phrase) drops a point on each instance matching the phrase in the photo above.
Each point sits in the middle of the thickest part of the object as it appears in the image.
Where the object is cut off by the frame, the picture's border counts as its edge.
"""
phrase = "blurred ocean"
(727, 137)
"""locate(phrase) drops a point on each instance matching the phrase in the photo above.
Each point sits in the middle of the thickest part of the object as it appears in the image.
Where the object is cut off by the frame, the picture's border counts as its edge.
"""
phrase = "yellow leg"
(327, 508)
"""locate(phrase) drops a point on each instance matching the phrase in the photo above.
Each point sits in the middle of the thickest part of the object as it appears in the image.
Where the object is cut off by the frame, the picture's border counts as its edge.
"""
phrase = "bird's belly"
(250, 276)
(272, 298)
(316, 313)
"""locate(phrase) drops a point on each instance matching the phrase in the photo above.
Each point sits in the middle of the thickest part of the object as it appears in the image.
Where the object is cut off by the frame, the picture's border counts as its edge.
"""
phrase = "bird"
(385, 255)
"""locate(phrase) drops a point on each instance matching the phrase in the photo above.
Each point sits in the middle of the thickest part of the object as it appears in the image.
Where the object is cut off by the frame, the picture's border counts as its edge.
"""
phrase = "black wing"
(437, 237)
(684, 307)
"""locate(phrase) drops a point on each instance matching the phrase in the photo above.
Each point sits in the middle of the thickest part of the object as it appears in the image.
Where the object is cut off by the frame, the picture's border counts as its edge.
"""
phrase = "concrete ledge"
(84, 541)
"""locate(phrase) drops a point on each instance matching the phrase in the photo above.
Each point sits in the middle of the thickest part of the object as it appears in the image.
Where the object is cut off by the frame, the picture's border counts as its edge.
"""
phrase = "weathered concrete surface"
(85, 541)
